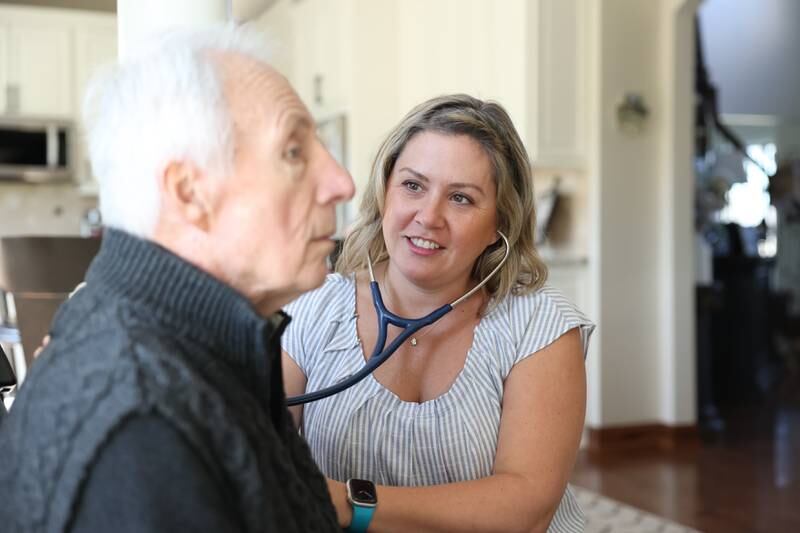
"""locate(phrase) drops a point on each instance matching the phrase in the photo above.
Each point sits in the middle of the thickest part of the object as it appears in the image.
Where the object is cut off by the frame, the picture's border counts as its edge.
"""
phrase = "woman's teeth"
(422, 243)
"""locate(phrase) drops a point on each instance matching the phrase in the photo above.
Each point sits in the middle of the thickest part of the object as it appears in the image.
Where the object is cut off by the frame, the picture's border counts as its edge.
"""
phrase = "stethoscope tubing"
(381, 353)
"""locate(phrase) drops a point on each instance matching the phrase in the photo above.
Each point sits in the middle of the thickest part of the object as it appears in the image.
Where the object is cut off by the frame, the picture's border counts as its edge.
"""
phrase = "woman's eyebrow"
(454, 185)
(419, 175)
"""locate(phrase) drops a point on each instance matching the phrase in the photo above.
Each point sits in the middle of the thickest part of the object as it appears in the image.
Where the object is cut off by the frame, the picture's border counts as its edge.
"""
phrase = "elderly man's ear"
(186, 193)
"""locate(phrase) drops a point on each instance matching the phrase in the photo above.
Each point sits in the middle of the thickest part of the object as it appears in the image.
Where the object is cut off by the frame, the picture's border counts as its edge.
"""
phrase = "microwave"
(35, 150)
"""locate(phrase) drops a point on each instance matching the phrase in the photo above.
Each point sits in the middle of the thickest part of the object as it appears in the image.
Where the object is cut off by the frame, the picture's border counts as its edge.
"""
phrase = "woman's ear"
(494, 238)
(185, 193)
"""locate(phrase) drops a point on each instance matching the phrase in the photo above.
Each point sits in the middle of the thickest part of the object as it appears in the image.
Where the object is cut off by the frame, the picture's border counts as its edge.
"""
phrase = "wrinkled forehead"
(258, 95)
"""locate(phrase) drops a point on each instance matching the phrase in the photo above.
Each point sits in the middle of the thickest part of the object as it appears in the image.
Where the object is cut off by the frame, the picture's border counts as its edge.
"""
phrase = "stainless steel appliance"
(36, 150)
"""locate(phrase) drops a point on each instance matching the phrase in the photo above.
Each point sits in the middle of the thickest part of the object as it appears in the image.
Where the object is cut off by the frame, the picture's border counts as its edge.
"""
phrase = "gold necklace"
(414, 340)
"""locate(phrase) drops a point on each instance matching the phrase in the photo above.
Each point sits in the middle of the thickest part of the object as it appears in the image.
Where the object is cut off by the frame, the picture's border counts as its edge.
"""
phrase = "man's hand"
(44, 344)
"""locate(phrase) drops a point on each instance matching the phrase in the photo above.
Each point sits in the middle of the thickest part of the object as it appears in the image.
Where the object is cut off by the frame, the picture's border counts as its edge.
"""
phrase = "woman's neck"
(410, 299)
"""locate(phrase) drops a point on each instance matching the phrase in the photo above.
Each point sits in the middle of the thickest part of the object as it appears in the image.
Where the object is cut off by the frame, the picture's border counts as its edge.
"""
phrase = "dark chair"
(39, 273)
(7, 380)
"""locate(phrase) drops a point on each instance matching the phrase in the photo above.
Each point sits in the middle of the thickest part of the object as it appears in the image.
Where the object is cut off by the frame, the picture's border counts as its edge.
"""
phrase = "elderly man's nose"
(336, 184)
(344, 182)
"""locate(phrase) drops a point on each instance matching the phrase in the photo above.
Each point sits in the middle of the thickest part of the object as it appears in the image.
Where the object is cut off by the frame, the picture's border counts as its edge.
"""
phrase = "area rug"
(605, 515)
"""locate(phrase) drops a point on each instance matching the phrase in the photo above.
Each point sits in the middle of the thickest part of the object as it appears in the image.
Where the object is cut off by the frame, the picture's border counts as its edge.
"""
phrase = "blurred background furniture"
(7, 380)
(36, 276)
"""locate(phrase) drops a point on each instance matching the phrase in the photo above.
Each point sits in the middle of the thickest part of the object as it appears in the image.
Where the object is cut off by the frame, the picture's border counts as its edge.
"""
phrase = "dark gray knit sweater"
(157, 406)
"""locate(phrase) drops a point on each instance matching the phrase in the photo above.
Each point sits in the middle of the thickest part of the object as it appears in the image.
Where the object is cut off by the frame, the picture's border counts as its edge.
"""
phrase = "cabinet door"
(95, 47)
(40, 68)
(4, 57)
(303, 50)
(557, 79)
(318, 45)
(330, 54)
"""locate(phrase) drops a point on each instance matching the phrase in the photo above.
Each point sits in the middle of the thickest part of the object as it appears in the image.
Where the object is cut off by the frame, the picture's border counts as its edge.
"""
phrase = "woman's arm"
(294, 383)
(543, 411)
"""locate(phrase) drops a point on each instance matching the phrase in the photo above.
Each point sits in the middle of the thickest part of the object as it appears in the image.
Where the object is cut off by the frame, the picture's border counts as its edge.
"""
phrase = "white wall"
(639, 237)
(678, 356)
(628, 336)
(751, 49)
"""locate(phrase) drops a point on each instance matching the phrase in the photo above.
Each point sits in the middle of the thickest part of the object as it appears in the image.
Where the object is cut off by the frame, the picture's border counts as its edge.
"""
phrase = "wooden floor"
(745, 479)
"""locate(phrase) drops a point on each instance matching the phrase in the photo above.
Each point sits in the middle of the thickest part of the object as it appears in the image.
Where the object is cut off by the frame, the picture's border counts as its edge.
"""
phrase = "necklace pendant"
(413, 341)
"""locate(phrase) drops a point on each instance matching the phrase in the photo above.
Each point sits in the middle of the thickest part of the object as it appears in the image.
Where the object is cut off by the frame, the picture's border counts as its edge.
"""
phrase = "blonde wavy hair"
(490, 126)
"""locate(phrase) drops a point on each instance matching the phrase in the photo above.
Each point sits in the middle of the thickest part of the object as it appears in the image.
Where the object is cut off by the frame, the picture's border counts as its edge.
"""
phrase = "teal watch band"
(362, 516)
(363, 498)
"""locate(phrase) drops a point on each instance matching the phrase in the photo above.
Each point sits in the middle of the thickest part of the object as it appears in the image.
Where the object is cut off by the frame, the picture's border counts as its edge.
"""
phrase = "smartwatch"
(364, 499)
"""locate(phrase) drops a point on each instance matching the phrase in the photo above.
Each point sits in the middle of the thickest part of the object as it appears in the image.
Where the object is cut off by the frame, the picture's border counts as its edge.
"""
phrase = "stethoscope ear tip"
(502, 236)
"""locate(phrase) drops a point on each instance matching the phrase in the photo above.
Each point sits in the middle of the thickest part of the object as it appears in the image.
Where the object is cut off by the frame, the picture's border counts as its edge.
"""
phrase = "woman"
(474, 423)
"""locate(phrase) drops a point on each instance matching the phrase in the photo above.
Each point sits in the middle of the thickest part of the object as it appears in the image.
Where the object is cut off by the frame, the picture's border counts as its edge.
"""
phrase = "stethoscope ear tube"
(381, 353)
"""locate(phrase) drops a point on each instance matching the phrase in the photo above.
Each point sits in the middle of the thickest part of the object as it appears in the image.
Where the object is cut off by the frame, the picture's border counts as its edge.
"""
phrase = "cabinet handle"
(318, 89)
(12, 98)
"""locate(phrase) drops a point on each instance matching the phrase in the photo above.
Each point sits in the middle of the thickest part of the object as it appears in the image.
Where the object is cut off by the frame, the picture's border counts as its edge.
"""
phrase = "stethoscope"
(380, 354)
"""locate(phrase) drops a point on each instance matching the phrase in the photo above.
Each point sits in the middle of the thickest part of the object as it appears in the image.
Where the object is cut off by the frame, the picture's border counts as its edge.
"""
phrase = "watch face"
(362, 492)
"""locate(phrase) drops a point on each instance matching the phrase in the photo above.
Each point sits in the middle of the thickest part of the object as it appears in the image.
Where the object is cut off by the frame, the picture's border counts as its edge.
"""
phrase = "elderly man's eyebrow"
(297, 121)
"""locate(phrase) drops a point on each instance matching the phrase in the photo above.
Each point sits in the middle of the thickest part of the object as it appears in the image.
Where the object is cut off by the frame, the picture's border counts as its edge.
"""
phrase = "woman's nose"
(430, 213)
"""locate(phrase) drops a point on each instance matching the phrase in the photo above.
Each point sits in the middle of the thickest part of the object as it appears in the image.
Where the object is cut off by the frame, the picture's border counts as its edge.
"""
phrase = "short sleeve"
(292, 338)
(544, 317)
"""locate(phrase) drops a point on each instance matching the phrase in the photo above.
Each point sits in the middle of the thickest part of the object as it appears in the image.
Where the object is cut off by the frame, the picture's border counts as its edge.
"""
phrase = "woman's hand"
(338, 492)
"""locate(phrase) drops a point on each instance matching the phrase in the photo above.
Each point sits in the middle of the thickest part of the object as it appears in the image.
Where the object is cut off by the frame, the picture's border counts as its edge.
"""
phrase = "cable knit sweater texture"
(153, 335)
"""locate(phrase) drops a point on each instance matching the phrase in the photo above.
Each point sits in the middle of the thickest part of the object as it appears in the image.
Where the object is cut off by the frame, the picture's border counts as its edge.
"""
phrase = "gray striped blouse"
(367, 432)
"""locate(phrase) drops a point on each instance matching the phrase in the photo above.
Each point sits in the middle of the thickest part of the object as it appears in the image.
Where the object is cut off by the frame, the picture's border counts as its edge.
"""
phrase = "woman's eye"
(412, 186)
(461, 199)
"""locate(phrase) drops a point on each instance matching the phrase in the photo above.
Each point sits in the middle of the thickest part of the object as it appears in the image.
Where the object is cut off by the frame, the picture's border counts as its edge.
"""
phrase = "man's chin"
(312, 277)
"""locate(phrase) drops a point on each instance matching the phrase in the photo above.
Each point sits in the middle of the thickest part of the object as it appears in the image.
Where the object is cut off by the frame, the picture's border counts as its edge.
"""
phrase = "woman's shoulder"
(532, 320)
(546, 300)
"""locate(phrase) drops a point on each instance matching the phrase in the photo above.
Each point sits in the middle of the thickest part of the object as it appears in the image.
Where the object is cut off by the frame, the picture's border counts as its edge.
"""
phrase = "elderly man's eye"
(293, 152)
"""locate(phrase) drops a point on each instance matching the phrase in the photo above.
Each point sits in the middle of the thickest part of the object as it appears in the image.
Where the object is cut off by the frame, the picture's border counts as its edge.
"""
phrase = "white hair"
(164, 104)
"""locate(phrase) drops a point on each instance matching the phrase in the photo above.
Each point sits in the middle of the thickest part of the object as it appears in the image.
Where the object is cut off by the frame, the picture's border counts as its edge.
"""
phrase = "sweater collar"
(183, 297)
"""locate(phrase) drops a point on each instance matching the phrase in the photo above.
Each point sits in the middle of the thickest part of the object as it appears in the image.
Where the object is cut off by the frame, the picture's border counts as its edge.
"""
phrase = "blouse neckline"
(454, 392)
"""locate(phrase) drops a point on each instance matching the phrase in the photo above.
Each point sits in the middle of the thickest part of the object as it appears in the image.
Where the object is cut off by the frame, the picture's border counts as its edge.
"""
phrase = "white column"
(138, 18)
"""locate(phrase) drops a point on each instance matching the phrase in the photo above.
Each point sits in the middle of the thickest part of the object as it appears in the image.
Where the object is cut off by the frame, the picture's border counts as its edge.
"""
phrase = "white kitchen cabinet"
(3, 67)
(95, 47)
(462, 46)
(530, 55)
(557, 74)
(46, 56)
(39, 68)
(319, 50)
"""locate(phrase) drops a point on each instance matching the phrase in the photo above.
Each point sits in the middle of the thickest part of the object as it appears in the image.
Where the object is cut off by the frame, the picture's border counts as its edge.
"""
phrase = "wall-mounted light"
(632, 113)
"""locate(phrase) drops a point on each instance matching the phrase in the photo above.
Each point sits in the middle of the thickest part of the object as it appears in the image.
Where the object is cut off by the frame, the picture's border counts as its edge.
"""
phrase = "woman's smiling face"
(440, 211)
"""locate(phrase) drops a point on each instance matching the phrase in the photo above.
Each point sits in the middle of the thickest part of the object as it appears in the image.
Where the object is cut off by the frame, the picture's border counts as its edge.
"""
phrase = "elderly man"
(158, 404)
